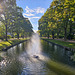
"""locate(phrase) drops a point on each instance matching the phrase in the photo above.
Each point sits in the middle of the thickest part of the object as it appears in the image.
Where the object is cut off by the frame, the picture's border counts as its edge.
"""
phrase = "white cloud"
(28, 10)
(28, 14)
(35, 17)
(39, 10)
(32, 17)
(35, 11)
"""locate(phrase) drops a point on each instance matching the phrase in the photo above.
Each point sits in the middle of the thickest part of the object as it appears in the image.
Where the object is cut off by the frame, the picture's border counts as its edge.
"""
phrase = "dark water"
(20, 61)
(57, 53)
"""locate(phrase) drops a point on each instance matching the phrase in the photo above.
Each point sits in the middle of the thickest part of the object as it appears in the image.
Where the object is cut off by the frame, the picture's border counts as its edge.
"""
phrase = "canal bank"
(66, 45)
(4, 45)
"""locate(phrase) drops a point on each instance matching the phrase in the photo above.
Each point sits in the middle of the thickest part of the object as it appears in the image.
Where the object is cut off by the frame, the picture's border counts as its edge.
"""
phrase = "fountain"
(34, 46)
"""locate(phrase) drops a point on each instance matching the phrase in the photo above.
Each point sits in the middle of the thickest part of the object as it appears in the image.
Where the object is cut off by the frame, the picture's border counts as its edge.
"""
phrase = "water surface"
(19, 60)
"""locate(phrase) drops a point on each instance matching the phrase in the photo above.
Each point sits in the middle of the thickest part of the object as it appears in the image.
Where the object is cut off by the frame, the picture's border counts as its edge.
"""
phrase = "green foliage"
(8, 36)
(58, 19)
(70, 36)
(61, 36)
(1, 37)
(13, 20)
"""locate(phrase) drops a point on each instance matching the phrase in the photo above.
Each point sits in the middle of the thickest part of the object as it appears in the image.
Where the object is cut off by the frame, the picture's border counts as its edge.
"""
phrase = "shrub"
(70, 36)
(50, 36)
(8, 36)
(61, 36)
(1, 37)
(15, 36)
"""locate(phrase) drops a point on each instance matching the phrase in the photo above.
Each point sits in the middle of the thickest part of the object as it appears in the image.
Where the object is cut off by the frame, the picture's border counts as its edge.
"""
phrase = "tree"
(13, 20)
(7, 9)
(59, 19)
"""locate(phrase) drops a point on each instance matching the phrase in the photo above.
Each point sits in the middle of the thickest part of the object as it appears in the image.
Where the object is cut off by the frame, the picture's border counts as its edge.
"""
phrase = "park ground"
(10, 42)
(67, 43)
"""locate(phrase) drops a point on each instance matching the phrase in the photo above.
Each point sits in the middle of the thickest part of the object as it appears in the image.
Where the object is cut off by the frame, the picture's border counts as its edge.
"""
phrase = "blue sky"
(34, 9)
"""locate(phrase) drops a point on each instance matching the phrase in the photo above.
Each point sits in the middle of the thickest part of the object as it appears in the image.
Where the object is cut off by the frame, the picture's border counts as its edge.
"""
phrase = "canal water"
(21, 59)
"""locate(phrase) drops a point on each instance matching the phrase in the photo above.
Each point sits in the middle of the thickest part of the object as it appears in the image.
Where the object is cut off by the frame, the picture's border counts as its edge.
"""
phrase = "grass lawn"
(63, 43)
(8, 43)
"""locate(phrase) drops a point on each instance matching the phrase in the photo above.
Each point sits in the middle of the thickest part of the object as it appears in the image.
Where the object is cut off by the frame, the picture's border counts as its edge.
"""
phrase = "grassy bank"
(63, 43)
(5, 44)
(60, 69)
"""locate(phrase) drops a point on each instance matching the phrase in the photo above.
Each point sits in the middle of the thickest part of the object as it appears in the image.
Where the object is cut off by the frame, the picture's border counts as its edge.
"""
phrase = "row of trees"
(59, 20)
(12, 20)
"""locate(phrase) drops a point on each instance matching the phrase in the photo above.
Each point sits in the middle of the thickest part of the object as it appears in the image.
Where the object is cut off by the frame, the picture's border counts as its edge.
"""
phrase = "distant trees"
(12, 18)
(59, 20)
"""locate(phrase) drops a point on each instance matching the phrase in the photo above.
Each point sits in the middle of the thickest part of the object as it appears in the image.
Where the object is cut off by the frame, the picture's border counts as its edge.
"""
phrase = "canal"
(21, 60)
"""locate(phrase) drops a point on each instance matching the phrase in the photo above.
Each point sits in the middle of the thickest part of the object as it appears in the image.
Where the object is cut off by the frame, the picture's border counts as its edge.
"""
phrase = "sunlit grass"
(63, 43)
(5, 44)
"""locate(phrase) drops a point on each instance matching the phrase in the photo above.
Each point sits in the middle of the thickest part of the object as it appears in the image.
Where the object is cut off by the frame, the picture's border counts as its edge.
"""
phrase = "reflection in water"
(11, 64)
(34, 66)
(19, 59)
(57, 53)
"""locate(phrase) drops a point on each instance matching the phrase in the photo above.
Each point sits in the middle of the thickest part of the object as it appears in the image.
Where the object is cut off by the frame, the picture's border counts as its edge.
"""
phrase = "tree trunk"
(70, 30)
(23, 36)
(65, 29)
(6, 33)
(18, 35)
(65, 35)
(70, 33)
(53, 34)
(48, 34)
(58, 34)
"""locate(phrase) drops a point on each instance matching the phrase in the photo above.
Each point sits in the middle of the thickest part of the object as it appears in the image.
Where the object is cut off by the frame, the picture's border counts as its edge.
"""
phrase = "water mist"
(34, 46)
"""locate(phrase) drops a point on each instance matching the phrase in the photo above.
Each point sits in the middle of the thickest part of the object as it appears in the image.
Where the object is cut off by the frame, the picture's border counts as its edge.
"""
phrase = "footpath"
(72, 41)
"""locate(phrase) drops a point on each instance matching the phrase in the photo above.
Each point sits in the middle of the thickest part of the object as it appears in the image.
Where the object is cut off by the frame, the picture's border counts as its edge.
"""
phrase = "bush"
(61, 36)
(70, 36)
(55, 36)
(50, 36)
(8, 36)
(74, 37)
(1, 37)
(15, 36)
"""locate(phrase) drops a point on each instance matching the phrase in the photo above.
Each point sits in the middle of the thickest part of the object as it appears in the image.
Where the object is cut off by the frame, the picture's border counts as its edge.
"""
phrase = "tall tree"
(8, 6)
(60, 19)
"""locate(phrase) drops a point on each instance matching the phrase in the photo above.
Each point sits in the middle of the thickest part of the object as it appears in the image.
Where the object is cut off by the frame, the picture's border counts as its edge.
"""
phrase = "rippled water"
(19, 60)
